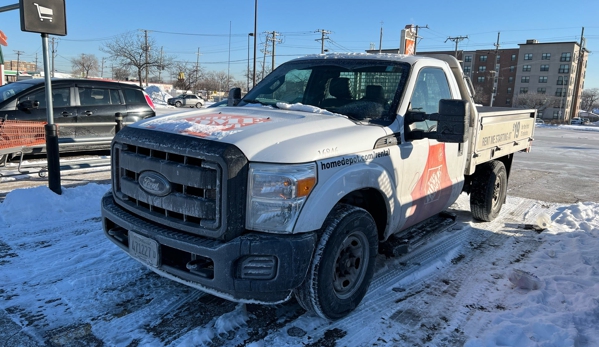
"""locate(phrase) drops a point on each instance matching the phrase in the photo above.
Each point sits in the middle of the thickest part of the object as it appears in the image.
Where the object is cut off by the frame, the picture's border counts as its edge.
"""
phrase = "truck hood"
(267, 134)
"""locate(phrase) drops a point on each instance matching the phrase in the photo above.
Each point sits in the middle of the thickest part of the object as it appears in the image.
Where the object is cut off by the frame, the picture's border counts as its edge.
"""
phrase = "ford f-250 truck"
(292, 191)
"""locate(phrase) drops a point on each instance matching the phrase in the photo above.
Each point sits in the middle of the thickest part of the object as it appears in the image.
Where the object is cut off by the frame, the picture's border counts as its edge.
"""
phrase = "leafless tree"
(217, 81)
(129, 51)
(589, 99)
(481, 96)
(187, 76)
(535, 100)
(84, 65)
(120, 73)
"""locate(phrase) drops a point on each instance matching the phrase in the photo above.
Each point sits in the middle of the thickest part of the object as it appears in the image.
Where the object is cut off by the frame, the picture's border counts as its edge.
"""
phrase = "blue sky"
(180, 27)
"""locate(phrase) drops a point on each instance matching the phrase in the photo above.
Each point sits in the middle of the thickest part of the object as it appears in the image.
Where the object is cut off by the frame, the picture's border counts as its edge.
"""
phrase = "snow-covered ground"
(481, 284)
(478, 284)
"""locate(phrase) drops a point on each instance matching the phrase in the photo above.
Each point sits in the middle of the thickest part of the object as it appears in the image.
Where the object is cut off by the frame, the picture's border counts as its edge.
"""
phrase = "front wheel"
(489, 189)
(178, 104)
(198, 105)
(343, 264)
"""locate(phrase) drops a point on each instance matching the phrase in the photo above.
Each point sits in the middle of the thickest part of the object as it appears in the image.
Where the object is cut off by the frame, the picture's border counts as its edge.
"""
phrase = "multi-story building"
(551, 77)
(493, 75)
(537, 75)
(12, 66)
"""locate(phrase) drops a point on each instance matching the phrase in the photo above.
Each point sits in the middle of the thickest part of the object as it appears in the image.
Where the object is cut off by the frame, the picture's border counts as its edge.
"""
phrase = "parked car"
(187, 100)
(539, 121)
(586, 121)
(576, 121)
(84, 110)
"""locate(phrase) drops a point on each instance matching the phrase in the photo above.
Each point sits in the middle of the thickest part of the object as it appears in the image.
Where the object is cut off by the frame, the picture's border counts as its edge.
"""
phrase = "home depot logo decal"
(221, 123)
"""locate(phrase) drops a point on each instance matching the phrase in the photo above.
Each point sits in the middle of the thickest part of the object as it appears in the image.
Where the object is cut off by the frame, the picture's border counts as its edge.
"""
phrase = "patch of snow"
(159, 97)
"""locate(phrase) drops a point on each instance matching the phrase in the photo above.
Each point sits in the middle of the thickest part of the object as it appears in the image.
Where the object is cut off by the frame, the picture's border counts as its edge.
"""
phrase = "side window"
(431, 86)
(60, 97)
(133, 96)
(115, 97)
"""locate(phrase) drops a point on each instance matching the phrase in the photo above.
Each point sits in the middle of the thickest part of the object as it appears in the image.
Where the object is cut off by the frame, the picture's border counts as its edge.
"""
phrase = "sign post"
(47, 17)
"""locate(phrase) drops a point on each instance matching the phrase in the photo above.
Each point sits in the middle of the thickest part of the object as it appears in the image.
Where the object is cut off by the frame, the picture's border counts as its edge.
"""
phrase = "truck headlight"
(276, 195)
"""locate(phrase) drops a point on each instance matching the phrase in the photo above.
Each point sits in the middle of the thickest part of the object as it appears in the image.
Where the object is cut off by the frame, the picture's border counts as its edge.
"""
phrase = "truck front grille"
(204, 188)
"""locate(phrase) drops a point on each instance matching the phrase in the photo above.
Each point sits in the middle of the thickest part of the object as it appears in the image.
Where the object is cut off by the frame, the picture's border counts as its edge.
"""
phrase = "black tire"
(343, 264)
(3, 159)
(178, 104)
(198, 105)
(489, 189)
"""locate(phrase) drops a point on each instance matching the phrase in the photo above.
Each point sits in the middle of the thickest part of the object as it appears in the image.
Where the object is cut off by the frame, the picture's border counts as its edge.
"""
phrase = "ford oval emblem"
(154, 183)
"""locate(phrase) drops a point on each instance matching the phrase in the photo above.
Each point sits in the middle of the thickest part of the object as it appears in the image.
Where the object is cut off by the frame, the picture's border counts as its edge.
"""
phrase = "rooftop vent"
(531, 41)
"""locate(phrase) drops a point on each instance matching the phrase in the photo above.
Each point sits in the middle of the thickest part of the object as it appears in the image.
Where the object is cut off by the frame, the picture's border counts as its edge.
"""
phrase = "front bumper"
(225, 268)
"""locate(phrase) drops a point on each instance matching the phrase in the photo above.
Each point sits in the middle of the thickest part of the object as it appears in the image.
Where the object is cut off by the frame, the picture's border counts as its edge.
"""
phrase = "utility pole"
(497, 69)
(198, 65)
(265, 51)
(323, 37)
(147, 49)
(416, 38)
(229, 61)
(381, 39)
(160, 67)
(274, 41)
(255, 42)
(18, 60)
(53, 56)
(577, 77)
(102, 71)
(456, 40)
(36, 61)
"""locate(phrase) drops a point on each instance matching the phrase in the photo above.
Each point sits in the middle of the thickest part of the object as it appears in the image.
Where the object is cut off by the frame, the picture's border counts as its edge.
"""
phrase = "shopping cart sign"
(43, 16)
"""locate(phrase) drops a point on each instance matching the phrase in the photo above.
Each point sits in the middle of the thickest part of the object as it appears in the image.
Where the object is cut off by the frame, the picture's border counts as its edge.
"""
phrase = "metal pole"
(248, 73)
(255, 43)
(51, 129)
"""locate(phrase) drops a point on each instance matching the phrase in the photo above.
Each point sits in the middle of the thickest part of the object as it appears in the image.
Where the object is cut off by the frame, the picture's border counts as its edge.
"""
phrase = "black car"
(84, 110)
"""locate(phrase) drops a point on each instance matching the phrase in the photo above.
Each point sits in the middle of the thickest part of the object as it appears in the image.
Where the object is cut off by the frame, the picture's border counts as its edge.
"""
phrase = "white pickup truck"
(294, 188)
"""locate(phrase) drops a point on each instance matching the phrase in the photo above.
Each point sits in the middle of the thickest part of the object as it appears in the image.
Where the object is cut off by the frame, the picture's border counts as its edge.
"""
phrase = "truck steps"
(417, 235)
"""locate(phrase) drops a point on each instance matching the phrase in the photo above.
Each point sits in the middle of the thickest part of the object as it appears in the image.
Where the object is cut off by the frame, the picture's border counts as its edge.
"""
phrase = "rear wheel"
(343, 265)
(489, 189)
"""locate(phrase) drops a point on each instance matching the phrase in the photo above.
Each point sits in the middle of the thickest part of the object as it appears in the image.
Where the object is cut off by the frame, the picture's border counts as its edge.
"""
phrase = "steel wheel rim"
(351, 263)
(496, 192)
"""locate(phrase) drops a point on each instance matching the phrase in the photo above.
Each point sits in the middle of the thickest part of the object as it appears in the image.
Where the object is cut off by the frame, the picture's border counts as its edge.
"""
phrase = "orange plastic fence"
(18, 134)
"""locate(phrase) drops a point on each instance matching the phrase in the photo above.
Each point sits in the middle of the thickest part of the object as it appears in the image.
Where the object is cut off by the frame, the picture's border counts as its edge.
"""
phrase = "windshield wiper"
(255, 102)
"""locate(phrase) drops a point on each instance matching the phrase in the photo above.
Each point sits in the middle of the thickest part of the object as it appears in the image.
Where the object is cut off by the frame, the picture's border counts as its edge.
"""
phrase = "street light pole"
(248, 73)
(255, 46)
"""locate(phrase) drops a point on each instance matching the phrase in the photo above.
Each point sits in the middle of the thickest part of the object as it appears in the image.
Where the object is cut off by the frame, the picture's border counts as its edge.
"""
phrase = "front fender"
(329, 191)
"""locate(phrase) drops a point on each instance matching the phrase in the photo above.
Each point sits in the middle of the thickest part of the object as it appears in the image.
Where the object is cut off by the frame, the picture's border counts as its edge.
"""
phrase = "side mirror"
(452, 122)
(234, 97)
(29, 104)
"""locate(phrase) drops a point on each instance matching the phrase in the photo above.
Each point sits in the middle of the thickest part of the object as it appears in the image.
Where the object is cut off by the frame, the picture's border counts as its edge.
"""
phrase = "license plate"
(143, 248)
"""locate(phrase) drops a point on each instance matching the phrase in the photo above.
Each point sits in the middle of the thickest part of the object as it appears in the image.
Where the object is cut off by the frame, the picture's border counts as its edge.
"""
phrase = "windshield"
(12, 89)
(360, 89)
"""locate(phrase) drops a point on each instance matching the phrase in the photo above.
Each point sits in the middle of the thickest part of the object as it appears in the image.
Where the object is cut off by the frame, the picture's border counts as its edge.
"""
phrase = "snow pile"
(159, 96)
(564, 310)
(306, 108)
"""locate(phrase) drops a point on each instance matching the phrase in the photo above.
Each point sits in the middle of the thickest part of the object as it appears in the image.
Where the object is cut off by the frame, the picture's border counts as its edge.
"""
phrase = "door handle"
(88, 113)
(65, 114)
